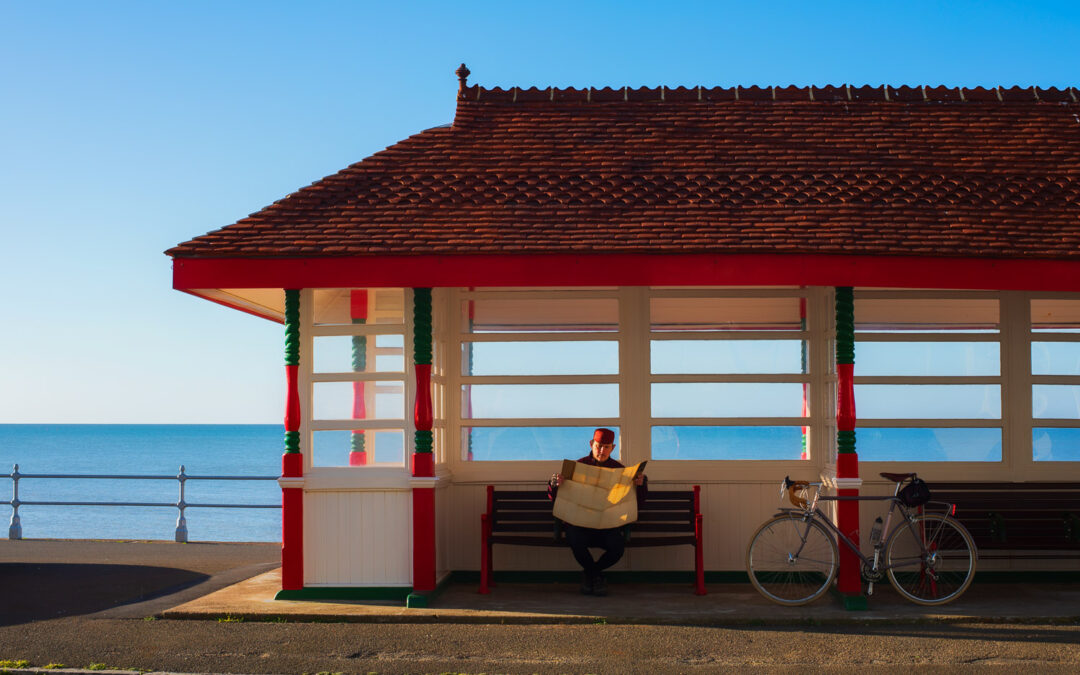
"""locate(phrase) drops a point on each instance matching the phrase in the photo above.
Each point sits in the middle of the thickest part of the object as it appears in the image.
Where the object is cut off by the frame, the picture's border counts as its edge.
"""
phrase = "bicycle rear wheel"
(931, 560)
(790, 560)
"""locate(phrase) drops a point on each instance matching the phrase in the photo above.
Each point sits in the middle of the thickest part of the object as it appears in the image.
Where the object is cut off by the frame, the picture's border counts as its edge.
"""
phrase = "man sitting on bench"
(581, 538)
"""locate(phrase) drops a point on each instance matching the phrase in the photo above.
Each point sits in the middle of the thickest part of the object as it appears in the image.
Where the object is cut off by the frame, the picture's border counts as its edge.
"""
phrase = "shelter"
(697, 268)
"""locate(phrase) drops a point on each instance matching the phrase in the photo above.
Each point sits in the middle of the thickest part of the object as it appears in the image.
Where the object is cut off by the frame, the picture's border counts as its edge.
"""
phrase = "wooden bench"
(523, 518)
(1017, 520)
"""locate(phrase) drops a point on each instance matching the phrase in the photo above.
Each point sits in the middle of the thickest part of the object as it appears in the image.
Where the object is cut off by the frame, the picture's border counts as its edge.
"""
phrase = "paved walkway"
(42, 579)
(725, 604)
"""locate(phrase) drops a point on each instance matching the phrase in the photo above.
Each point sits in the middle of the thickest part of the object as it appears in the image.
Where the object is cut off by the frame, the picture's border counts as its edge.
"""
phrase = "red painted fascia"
(629, 269)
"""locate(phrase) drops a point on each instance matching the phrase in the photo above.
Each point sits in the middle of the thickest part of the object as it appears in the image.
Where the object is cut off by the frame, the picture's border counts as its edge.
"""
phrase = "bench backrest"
(1041, 515)
(529, 511)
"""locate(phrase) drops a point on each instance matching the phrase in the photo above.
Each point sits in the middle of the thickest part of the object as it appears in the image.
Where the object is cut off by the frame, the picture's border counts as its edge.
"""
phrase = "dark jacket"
(642, 490)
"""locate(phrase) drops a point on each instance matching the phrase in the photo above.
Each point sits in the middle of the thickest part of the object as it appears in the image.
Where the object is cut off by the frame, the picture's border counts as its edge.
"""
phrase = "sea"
(255, 450)
(143, 449)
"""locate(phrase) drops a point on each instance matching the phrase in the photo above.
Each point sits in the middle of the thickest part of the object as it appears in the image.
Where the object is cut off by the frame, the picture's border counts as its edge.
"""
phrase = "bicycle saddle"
(896, 477)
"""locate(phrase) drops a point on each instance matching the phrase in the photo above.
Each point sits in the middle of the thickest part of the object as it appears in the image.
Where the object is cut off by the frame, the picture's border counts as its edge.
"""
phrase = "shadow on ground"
(35, 591)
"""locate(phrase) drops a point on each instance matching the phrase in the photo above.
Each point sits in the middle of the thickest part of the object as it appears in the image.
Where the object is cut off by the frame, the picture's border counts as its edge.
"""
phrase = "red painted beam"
(630, 269)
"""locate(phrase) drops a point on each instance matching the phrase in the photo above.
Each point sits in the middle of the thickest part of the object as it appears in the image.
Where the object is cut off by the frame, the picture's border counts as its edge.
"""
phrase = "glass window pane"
(539, 315)
(341, 306)
(540, 358)
(488, 444)
(532, 401)
(928, 445)
(358, 400)
(1055, 401)
(1061, 316)
(1055, 358)
(355, 353)
(385, 447)
(928, 401)
(727, 443)
(670, 314)
(1056, 444)
(901, 315)
(727, 356)
(727, 399)
(927, 358)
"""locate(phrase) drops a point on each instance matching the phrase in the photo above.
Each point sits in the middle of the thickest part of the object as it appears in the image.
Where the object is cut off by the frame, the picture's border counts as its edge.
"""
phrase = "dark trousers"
(581, 539)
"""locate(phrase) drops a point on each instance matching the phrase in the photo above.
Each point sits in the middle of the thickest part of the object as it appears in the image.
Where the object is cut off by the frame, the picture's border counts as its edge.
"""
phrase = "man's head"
(603, 443)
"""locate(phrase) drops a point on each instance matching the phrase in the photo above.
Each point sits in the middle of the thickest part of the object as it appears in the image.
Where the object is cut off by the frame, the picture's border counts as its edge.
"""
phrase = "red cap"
(604, 436)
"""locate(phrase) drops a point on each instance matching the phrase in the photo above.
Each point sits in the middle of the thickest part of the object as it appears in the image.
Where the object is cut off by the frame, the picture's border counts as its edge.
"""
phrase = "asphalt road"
(78, 603)
(210, 646)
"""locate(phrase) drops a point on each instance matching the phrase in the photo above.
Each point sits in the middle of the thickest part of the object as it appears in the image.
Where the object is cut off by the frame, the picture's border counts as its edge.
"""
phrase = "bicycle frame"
(811, 513)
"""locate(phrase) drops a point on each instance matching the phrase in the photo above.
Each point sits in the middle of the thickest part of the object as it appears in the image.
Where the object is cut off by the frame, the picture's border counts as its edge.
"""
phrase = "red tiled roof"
(880, 171)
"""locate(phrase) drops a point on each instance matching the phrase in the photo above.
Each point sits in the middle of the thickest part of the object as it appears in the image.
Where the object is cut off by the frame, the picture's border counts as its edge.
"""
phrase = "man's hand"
(639, 479)
(556, 479)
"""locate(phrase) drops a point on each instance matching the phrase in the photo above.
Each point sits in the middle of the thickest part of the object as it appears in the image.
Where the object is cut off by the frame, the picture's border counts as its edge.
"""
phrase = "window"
(928, 383)
(539, 371)
(1055, 375)
(358, 388)
(729, 375)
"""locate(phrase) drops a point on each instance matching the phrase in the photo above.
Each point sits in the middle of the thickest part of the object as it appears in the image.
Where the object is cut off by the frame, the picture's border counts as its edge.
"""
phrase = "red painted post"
(423, 459)
(485, 549)
(849, 579)
(292, 525)
(292, 462)
(487, 534)
(358, 312)
(699, 545)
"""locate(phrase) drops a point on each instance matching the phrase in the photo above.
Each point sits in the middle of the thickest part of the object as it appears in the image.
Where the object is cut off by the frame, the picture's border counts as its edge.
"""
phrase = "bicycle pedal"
(870, 589)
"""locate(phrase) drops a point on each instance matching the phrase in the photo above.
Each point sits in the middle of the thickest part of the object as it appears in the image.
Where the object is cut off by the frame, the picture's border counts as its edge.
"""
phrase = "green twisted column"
(422, 326)
(423, 459)
(845, 361)
(422, 357)
(292, 361)
(803, 364)
(359, 365)
(848, 580)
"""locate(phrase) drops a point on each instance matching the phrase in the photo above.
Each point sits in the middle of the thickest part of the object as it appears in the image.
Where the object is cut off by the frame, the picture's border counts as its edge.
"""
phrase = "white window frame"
(1006, 341)
(1055, 467)
(634, 379)
(820, 379)
(372, 475)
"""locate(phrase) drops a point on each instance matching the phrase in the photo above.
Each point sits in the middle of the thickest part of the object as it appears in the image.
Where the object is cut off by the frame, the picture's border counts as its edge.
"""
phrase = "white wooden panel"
(444, 518)
(358, 538)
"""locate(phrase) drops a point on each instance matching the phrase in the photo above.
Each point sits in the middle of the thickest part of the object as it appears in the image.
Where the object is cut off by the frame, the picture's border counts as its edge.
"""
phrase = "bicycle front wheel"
(790, 560)
(931, 559)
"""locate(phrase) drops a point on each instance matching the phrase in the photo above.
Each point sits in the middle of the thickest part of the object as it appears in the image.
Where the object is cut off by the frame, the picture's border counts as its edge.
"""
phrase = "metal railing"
(15, 527)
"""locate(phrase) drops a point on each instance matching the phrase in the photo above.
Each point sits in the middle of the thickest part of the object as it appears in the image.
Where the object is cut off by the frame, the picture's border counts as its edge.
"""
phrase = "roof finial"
(462, 74)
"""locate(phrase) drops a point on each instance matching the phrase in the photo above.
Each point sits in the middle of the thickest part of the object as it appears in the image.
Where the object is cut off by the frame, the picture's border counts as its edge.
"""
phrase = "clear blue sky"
(127, 127)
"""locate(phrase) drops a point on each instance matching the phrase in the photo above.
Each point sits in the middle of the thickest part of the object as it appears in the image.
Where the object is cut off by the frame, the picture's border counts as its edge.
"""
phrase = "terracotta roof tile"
(874, 169)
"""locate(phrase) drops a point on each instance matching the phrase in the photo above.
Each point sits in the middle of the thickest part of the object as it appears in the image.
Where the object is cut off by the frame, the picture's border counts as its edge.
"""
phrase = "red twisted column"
(849, 582)
(292, 462)
(423, 461)
(358, 309)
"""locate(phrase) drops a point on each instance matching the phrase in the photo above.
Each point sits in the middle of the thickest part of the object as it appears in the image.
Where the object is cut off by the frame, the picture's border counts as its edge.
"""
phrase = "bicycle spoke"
(791, 561)
(931, 561)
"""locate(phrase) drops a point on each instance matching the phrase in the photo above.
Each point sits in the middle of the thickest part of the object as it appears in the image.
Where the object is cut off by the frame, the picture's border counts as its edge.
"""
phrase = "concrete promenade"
(148, 604)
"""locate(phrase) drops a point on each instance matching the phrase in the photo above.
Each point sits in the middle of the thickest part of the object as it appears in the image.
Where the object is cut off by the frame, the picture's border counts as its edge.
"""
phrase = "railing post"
(181, 522)
(15, 528)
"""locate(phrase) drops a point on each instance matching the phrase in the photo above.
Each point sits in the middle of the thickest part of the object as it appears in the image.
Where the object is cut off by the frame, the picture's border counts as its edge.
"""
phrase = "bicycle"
(929, 558)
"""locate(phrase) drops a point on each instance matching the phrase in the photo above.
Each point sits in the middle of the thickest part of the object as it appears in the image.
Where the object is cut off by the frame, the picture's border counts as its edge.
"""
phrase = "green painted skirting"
(346, 593)
(421, 599)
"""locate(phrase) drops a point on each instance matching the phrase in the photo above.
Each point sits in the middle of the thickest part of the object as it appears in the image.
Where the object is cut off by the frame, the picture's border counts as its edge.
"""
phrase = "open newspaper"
(597, 497)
